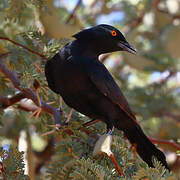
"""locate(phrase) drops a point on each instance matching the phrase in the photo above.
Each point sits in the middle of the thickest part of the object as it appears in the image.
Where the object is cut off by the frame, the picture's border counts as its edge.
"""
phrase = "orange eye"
(113, 33)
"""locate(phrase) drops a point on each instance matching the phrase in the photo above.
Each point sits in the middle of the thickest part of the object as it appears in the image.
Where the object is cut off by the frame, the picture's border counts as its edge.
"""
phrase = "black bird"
(87, 86)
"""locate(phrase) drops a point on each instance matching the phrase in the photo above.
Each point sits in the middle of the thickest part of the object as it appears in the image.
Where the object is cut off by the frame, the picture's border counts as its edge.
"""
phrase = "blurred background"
(150, 81)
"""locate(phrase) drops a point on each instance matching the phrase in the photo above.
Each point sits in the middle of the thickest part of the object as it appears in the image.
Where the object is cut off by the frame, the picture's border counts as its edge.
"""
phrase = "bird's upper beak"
(127, 47)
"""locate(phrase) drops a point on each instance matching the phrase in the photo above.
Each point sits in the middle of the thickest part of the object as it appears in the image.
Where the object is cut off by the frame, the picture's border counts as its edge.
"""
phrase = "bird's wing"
(105, 83)
(51, 68)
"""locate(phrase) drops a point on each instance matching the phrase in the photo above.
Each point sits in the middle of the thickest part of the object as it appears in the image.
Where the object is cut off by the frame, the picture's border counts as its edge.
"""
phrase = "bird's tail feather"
(144, 146)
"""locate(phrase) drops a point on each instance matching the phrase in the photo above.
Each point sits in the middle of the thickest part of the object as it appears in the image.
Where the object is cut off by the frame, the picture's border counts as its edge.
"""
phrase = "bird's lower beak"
(127, 47)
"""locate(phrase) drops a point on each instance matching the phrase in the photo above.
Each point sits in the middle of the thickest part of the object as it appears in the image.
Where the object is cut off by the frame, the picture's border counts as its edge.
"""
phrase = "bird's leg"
(110, 129)
(104, 145)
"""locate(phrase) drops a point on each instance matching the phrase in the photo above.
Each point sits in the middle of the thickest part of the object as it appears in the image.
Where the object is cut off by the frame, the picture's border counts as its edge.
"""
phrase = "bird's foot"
(103, 145)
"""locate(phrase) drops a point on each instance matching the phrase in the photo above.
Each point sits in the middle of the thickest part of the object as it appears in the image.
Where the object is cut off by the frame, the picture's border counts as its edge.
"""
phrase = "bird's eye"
(113, 33)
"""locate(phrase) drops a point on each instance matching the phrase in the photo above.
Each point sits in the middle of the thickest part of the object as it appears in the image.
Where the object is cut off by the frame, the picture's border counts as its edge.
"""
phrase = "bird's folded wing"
(51, 68)
(103, 80)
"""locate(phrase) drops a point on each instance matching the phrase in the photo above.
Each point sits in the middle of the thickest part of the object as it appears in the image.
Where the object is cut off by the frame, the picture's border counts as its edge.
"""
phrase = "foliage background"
(150, 81)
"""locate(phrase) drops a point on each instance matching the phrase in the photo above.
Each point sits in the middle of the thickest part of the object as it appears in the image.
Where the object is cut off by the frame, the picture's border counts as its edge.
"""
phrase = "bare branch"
(6, 102)
(156, 5)
(73, 12)
(24, 47)
(136, 22)
(162, 141)
(29, 93)
(10, 75)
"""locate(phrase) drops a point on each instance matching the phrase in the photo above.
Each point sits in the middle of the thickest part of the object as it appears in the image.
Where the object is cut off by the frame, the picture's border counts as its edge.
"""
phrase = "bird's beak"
(127, 47)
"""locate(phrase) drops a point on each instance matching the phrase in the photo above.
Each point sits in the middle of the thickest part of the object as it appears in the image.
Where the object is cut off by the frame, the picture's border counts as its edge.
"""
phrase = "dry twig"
(73, 12)
(167, 142)
(29, 93)
(24, 47)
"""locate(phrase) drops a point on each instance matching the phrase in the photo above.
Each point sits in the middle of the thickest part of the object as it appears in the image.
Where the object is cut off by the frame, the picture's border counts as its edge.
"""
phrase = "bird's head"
(104, 39)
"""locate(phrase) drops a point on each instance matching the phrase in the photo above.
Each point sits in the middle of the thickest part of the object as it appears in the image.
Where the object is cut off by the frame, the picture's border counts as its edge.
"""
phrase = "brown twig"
(69, 116)
(24, 47)
(93, 3)
(89, 123)
(134, 23)
(73, 12)
(162, 141)
(175, 117)
(6, 102)
(9, 74)
(29, 93)
(164, 80)
(156, 6)
(138, 20)
(4, 54)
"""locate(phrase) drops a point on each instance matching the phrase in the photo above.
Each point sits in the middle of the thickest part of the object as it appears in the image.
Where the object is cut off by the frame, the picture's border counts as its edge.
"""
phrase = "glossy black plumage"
(87, 86)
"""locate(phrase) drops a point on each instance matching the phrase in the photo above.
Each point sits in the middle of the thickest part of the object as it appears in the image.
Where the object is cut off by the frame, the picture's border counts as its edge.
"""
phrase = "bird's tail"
(143, 145)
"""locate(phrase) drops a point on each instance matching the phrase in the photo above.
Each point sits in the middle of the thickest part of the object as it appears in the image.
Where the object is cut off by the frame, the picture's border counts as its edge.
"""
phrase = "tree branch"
(156, 6)
(24, 47)
(162, 141)
(10, 75)
(29, 93)
(134, 23)
(6, 102)
(73, 12)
